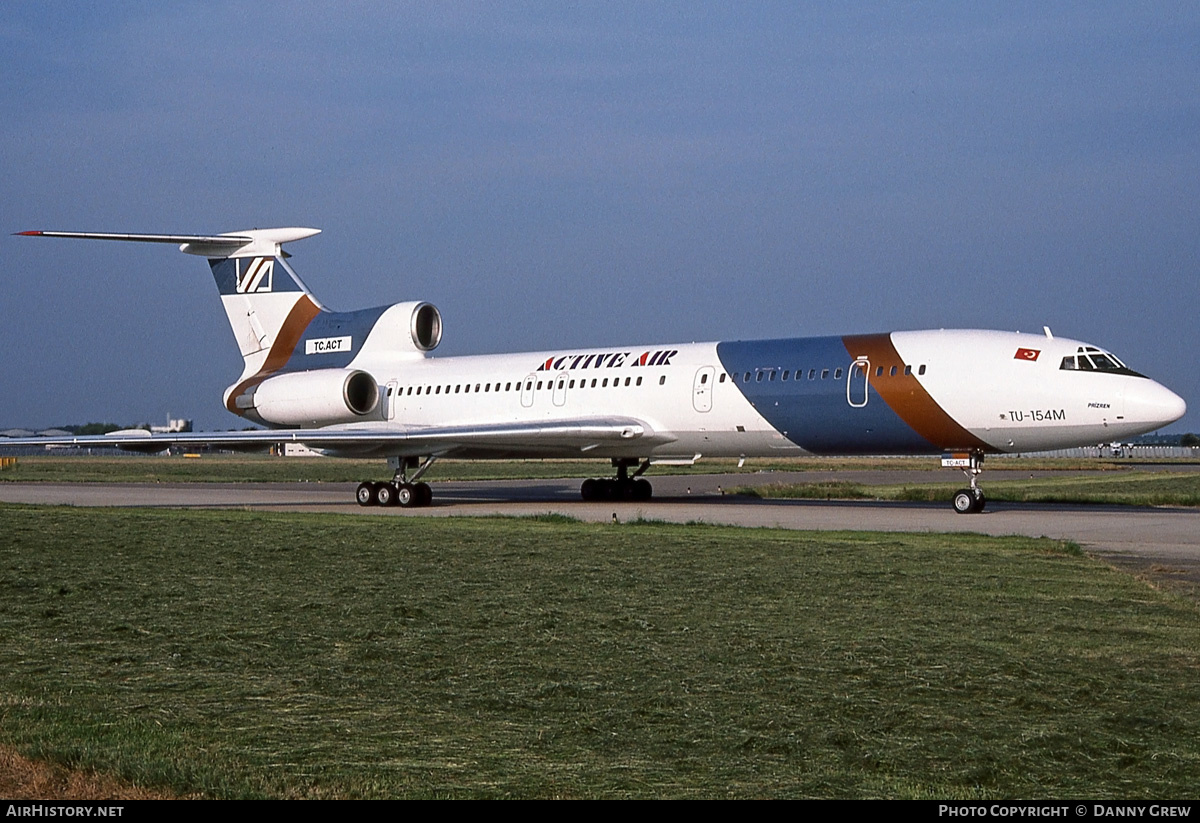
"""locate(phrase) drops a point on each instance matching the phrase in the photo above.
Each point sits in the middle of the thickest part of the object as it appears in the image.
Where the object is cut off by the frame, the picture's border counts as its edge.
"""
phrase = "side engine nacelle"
(312, 398)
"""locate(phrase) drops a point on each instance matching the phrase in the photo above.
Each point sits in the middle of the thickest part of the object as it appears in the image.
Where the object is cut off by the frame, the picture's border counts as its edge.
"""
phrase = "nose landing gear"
(970, 500)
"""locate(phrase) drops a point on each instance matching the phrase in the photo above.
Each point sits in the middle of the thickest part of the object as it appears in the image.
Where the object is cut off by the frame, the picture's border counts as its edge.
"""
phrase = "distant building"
(173, 426)
(299, 450)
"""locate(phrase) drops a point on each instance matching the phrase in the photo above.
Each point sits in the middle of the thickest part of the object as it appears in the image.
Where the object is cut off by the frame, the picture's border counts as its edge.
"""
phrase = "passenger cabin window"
(907, 370)
(837, 375)
(922, 369)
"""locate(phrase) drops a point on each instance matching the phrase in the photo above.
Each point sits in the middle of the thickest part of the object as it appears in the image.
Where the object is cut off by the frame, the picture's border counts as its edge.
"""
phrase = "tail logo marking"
(254, 275)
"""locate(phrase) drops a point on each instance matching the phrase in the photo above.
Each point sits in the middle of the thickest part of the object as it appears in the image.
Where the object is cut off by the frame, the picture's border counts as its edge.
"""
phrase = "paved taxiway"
(1164, 542)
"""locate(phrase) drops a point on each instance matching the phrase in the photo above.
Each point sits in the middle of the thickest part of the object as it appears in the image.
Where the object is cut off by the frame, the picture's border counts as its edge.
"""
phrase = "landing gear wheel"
(980, 500)
(588, 490)
(964, 501)
(365, 494)
(406, 495)
(642, 490)
(616, 489)
(385, 494)
(424, 494)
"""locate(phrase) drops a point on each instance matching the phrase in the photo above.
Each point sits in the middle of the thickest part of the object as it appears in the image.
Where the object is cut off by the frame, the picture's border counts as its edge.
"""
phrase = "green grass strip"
(1132, 488)
(239, 654)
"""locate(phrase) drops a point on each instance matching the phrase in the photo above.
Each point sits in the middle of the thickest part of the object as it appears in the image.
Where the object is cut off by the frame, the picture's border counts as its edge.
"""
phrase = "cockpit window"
(1091, 358)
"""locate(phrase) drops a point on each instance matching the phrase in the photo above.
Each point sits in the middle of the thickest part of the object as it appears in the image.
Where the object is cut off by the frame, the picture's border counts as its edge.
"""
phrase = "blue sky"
(560, 175)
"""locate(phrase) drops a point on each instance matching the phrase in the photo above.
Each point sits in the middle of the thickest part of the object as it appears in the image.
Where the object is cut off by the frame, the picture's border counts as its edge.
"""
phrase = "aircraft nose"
(1154, 404)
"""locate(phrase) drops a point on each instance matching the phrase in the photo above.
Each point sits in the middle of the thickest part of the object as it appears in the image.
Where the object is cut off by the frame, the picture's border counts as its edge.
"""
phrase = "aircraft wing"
(583, 434)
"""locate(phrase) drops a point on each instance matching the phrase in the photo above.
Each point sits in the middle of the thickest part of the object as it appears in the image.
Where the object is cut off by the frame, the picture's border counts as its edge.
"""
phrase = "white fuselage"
(907, 392)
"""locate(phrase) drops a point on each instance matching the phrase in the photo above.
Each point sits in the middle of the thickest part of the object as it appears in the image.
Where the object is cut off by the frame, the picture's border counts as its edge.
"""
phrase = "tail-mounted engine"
(406, 328)
(312, 398)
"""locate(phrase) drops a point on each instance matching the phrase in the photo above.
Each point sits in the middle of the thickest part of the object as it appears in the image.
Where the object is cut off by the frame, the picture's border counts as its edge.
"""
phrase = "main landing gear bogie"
(616, 489)
(405, 495)
(622, 487)
(403, 491)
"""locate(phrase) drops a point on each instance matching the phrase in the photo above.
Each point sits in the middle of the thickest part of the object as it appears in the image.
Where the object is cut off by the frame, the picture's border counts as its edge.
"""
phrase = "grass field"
(1126, 488)
(243, 654)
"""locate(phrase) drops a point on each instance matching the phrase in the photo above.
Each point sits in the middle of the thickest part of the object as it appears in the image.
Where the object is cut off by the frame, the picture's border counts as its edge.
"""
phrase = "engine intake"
(407, 329)
(426, 326)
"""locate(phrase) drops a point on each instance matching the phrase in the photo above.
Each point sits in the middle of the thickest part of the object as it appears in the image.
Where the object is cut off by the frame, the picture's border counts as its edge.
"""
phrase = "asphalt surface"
(1161, 543)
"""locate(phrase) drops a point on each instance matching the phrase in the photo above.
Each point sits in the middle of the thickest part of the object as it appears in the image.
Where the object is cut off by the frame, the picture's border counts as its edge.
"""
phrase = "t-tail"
(287, 338)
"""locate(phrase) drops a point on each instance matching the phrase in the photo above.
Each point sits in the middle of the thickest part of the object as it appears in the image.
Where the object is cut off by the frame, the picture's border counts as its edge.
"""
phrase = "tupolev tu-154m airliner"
(363, 384)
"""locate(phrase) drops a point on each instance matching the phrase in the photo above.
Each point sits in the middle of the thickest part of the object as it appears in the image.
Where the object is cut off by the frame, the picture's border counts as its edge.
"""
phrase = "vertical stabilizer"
(267, 304)
(263, 300)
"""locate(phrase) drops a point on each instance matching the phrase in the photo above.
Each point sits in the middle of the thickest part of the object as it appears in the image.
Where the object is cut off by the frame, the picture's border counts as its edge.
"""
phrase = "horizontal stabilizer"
(252, 243)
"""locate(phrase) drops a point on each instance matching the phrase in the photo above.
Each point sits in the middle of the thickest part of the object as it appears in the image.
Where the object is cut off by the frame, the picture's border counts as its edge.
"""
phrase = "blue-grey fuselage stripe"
(334, 324)
(813, 412)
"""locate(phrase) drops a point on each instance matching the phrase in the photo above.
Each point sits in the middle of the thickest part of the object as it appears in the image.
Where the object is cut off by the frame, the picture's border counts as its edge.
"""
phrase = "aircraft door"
(857, 381)
(702, 389)
(393, 398)
(560, 389)
(527, 390)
